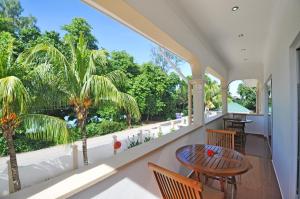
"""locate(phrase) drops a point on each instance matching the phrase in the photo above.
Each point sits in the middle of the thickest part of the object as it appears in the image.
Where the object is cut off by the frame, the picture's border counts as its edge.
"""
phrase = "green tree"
(149, 88)
(170, 97)
(121, 60)
(84, 87)
(77, 27)
(14, 101)
(10, 14)
(182, 97)
(247, 96)
(212, 91)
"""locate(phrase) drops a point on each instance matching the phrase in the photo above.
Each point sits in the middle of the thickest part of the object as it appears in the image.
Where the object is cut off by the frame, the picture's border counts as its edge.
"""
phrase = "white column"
(190, 108)
(198, 101)
(224, 90)
(259, 94)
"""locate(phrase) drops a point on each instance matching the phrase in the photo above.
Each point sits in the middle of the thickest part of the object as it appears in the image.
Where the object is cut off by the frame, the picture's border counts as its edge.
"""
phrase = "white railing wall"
(42, 165)
(135, 181)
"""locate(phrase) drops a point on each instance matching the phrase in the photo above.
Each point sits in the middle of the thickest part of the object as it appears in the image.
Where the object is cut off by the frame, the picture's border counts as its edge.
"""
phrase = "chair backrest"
(174, 186)
(222, 138)
(239, 116)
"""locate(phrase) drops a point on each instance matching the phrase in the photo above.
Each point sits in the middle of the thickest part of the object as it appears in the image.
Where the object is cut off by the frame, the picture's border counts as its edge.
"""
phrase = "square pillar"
(224, 91)
(198, 101)
(190, 101)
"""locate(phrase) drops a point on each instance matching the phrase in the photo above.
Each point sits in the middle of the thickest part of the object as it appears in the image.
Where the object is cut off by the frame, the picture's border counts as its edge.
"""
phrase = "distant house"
(237, 108)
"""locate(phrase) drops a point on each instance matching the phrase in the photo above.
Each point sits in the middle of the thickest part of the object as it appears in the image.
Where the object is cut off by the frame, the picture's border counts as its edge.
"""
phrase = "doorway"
(298, 117)
(269, 111)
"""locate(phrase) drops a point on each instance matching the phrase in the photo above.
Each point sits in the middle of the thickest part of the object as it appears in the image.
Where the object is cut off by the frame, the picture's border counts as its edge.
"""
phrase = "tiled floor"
(260, 182)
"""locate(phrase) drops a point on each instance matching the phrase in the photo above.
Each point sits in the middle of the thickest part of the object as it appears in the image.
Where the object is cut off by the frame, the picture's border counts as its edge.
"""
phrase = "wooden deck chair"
(175, 186)
(222, 138)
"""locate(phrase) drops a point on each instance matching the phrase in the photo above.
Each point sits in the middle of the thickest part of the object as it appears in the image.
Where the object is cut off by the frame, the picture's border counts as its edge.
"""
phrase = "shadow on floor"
(260, 182)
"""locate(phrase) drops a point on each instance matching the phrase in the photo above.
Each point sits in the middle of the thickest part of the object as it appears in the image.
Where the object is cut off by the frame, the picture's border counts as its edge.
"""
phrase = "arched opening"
(242, 96)
(212, 96)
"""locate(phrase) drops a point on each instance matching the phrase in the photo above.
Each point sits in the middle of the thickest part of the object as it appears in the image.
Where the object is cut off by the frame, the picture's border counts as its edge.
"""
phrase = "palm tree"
(213, 96)
(86, 87)
(14, 100)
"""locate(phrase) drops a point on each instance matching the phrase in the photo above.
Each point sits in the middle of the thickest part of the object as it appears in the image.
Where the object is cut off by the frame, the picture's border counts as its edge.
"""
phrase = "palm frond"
(45, 127)
(100, 88)
(53, 53)
(118, 77)
(128, 103)
(99, 55)
(14, 96)
(71, 45)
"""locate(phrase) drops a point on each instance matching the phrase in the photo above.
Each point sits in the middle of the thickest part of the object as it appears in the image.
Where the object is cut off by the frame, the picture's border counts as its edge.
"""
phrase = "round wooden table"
(225, 162)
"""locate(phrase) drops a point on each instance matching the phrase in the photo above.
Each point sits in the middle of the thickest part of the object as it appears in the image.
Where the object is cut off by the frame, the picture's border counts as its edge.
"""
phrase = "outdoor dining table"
(237, 121)
(224, 163)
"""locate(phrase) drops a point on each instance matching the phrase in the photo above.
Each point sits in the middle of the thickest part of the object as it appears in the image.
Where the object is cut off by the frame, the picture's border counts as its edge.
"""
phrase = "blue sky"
(112, 35)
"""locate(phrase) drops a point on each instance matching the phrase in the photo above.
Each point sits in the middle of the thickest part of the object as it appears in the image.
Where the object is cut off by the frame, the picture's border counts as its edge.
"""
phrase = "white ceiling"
(220, 27)
(210, 27)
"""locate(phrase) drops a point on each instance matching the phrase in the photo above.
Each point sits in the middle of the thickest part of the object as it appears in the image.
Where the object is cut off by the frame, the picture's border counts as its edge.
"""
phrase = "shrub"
(24, 144)
(104, 127)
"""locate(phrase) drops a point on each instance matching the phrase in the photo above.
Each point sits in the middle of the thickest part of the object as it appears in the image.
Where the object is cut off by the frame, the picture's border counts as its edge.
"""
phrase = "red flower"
(210, 153)
(117, 145)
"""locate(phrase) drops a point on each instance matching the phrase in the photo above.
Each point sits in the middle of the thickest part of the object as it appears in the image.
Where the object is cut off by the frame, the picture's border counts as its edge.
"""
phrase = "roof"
(237, 108)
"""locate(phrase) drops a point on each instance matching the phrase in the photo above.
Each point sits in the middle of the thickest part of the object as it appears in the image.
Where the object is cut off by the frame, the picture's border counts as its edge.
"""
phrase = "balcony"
(255, 40)
(127, 172)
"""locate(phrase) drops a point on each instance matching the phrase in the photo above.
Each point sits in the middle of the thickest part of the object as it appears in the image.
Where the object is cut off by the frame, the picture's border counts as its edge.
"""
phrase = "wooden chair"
(239, 116)
(222, 138)
(174, 186)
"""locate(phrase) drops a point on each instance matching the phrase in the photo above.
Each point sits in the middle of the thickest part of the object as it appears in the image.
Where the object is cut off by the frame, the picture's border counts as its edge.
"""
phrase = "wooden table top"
(237, 120)
(225, 162)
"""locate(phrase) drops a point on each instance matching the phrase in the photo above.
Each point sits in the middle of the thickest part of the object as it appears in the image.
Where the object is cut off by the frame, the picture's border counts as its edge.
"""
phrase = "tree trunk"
(129, 120)
(84, 143)
(13, 162)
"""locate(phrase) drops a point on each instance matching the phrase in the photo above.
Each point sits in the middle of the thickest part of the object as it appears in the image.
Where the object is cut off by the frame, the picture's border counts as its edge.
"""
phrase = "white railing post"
(172, 126)
(160, 133)
(75, 156)
(140, 136)
(114, 141)
(10, 180)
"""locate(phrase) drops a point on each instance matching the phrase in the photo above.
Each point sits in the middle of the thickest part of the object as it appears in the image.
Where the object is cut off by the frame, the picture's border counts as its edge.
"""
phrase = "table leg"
(232, 191)
(222, 183)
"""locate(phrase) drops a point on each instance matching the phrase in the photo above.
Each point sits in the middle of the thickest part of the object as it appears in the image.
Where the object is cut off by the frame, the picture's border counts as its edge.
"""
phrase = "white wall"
(283, 31)
(135, 181)
(257, 126)
(41, 165)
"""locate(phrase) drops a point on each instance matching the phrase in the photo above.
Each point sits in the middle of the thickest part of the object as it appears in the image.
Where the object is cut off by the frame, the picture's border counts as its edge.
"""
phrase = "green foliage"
(121, 60)
(77, 27)
(104, 127)
(24, 144)
(11, 19)
(247, 96)
(148, 88)
(98, 129)
(45, 70)
(109, 111)
(213, 97)
(133, 142)
(148, 138)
